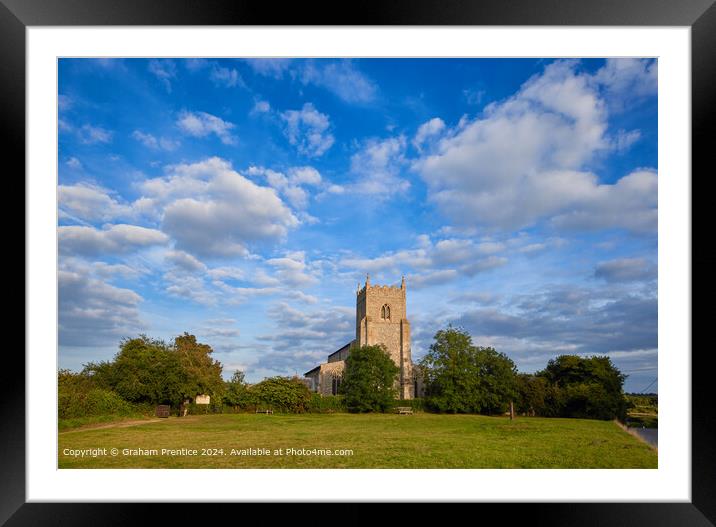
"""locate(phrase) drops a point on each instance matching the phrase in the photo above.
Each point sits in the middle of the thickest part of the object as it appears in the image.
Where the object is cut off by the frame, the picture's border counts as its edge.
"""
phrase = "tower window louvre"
(385, 312)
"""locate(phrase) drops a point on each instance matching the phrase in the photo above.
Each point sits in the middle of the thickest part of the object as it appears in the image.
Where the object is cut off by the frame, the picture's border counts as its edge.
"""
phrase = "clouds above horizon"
(90, 311)
(242, 199)
(525, 160)
(209, 209)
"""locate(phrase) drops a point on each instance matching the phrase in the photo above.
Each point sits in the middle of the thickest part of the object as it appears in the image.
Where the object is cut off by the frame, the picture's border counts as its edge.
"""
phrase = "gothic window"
(335, 384)
(385, 312)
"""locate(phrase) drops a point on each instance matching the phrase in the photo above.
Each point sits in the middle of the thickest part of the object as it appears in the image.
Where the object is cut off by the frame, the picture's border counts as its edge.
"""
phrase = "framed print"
(510, 189)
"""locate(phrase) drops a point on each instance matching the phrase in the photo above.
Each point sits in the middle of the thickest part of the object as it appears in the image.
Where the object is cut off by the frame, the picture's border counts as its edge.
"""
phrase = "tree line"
(147, 372)
(458, 377)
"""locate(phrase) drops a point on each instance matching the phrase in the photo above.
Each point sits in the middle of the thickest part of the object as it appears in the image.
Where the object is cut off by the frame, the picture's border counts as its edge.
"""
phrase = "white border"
(670, 482)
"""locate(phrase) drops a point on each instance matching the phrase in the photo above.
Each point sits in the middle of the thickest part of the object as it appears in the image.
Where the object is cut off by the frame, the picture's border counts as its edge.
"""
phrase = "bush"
(326, 404)
(80, 396)
(93, 402)
(282, 394)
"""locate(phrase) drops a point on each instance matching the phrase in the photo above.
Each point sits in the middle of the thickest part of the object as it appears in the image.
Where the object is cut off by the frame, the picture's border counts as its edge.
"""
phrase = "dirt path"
(131, 422)
(117, 424)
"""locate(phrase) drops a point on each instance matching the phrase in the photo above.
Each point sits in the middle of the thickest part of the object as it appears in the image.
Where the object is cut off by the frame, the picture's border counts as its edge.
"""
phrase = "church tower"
(381, 318)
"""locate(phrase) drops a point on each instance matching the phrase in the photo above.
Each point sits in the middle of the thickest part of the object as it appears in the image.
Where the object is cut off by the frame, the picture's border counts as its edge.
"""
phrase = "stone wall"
(327, 372)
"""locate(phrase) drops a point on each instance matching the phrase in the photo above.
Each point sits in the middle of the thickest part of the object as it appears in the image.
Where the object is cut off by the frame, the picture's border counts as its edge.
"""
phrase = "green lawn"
(376, 440)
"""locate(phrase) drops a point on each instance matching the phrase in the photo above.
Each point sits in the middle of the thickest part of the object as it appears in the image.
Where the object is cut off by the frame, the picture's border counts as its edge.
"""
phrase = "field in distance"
(355, 441)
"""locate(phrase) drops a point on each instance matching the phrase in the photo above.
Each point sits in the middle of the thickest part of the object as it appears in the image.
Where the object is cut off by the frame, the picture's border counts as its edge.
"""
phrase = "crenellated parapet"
(395, 290)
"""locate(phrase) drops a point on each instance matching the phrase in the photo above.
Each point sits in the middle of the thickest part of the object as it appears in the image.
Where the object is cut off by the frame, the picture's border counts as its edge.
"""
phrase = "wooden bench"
(266, 411)
(404, 410)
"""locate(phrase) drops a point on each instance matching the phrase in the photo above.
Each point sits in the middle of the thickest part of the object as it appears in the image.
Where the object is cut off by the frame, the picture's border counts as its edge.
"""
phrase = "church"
(381, 318)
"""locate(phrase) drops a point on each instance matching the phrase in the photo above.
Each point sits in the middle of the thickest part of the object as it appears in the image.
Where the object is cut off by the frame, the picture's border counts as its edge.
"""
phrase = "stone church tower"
(381, 318)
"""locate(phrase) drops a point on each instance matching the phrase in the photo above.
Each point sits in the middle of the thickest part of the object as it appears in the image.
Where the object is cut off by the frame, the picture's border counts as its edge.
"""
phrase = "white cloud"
(340, 78)
(377, 167)
(64, 102)
(212, 210)
(185, 261)
(302, 338)
(308, 130)
(165, 70)
(89, 134)
(227, 77)
(74, 163)
(335, 189)
(625, 270)
(226, 273)
(269, 67)
(304, 176)
(296, 196)
(64, 126)
(90, 202)
(630, 203)
(202, 124)
(292, 270)
(195, 64)
(190, 286)
(102, 270)
(444, 276)
(624, 139)
(434, 263)
(626, 78)
(523, 161)
(290, 186)
(473, 97)
(110, 271)
(428, 130)
(261, 107)
(92, 312)
(220, 332)
(152, 142)
(113, 239)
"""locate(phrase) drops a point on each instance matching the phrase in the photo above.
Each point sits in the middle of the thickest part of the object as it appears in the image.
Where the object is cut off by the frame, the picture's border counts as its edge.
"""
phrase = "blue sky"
(243, 201)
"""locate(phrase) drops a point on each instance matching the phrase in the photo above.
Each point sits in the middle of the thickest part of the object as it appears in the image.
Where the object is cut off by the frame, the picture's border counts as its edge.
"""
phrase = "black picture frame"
(699, 15)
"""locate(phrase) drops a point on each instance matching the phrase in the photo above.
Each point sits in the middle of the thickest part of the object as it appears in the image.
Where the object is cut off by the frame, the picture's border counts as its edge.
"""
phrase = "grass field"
(374, 440)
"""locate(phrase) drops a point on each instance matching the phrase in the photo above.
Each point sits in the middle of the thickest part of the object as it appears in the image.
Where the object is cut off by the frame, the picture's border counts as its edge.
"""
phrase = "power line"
(649, 385)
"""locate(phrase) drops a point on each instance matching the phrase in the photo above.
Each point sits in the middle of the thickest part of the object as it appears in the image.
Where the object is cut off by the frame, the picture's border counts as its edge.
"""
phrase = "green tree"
(532, 394)
(589, 387)
(369, 380)
(235, 390)
(202, 372)
(463, 378)
(497, 379)
(147, 370)
(144, 370)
